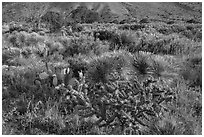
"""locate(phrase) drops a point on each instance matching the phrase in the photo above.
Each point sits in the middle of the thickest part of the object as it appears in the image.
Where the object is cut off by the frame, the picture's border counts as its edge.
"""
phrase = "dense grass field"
(126, 79)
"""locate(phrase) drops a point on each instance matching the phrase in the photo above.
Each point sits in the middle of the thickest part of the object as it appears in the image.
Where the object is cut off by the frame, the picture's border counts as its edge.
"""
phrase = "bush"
(9, 54)
(77, 64)
(192, 70)
(134, 27)
(128, 42)
(140, 64)
(103, 35)
(144, 65)
(145, 20)
(100, 67)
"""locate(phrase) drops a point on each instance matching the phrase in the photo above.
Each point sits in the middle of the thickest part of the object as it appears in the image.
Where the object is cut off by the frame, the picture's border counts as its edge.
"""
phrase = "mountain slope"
(121, 10)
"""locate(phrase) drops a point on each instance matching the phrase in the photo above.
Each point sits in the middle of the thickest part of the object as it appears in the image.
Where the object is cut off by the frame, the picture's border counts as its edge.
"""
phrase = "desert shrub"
(101, 48)
(140, 65)
(5, 28)
(13, 40)
(145, 20)
(77, 64)
(80, 45)
(91, 17)
(16, 82)
(98, 71)
(64, 40)
(150, 107)
(170, 22)
(21, 39)
(170, 65)
(192, 70)
(192, 21)
(128, 42)
(118, 40)
(34, 38)
(123, 91)
(103, 35)
(182, 46)
(56, 57)
(71, 50)
(77, 27)
(156, 68)
(26, 52)
(100, 67)
(40, 50)
(9, 54)
(144, 65)
(42, 33)
(134, 27)
(55, 47)
(5, 42)
(16, 27)
(180, 108)
(192, 31)
(151, 43)
(172, 44)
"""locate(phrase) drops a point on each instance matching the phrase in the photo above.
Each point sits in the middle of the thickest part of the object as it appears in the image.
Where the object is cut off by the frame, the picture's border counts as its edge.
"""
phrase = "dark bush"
(91, 17)
(110, 36)
(134, 27)
(103, 35)
(54, 20)
(192, 21)
(145, 20)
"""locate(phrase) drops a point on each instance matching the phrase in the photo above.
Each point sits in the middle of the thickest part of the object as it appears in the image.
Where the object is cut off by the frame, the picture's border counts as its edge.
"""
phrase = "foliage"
(132, 79)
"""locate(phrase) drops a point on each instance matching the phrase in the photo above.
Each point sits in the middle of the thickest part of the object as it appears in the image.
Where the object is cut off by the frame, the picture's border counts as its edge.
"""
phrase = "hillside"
(121, 10)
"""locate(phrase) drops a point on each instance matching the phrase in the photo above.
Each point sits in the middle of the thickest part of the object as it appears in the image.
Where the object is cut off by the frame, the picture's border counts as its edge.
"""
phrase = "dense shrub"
(134, 82)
